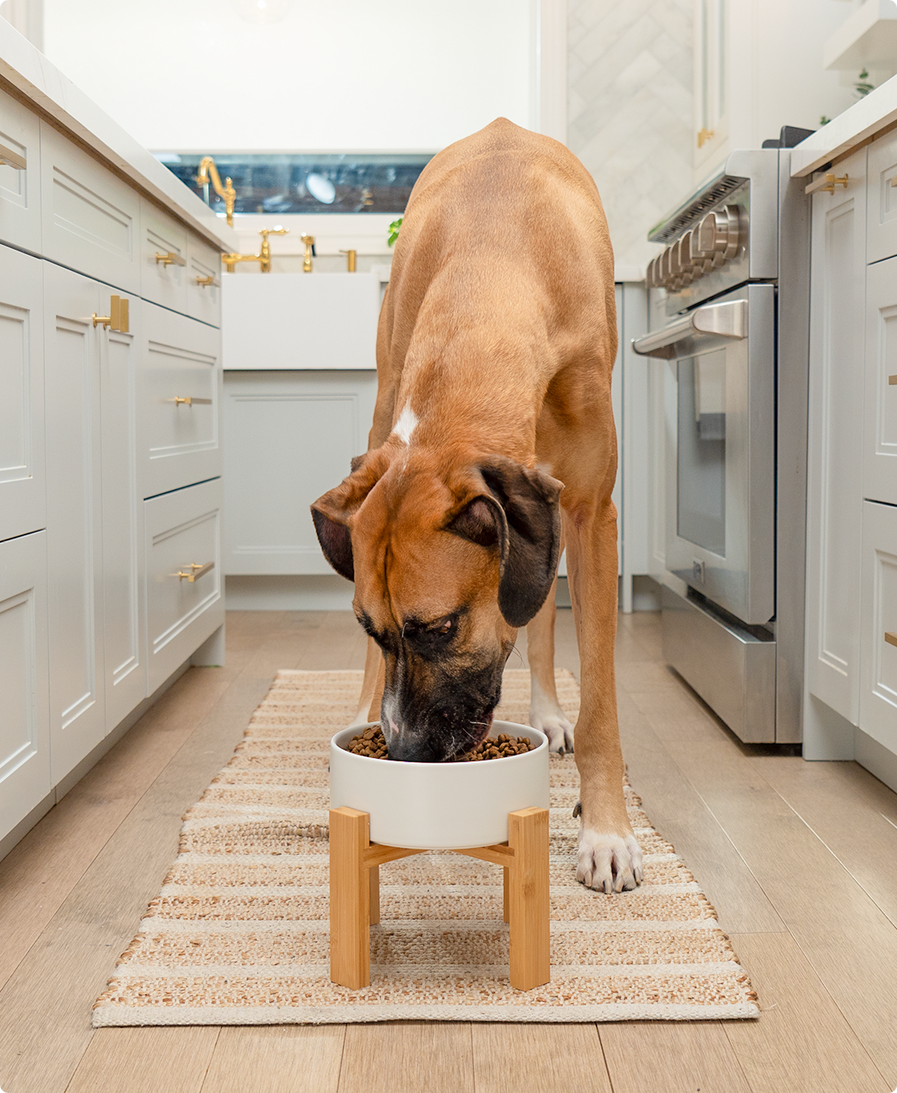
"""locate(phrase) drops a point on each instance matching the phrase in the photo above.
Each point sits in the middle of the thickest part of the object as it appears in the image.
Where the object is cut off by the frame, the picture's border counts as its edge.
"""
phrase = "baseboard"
(327, 592)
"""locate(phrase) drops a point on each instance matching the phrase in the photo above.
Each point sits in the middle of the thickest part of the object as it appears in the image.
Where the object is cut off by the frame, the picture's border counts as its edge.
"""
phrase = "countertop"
(856, 126)
(27, 74)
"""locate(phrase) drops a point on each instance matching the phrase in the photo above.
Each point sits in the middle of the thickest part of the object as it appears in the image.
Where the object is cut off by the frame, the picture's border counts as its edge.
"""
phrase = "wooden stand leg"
(528, 898)
(350, 898)
(374, 873)
(506, 894)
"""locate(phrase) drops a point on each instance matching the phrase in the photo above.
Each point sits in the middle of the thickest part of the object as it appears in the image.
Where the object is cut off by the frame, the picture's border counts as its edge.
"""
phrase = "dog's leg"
(609, 857)
(545, 712)
(371, 687)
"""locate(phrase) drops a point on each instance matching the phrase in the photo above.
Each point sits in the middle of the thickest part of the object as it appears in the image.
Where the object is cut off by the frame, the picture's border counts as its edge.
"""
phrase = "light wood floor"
(799, 859)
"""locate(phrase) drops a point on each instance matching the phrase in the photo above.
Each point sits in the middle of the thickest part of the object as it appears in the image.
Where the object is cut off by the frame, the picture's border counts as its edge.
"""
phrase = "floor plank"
(802, 1042)
(412, 1055)
(538, 1059)
(145, 1060)
(276, 1059)
(672, 1058)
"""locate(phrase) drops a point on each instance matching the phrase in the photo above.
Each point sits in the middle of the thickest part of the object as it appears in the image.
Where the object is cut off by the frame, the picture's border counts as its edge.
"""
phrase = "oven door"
(720, 534)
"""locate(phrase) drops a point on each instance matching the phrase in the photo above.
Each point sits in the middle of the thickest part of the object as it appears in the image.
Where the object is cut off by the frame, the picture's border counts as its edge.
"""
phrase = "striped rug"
(238, 934)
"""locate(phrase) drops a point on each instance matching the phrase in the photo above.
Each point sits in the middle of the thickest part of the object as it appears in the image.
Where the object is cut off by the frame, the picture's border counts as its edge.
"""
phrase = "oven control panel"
(711, 244)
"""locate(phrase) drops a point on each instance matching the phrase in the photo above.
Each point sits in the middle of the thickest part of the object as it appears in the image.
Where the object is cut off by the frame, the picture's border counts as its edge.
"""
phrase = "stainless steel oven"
(730, 315)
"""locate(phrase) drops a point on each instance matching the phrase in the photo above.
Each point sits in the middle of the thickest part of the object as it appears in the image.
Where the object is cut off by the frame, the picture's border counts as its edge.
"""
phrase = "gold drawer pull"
(119, 315)
(189, 400)
(170, 258)
(212, 280)
(196, 571)
(892, 381)
(827, 184)
(890, 638)
(704, 135)
(9, 158)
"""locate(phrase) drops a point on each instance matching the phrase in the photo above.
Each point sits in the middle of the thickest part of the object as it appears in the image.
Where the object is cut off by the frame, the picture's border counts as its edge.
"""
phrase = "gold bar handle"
(351, 256)
(212, 280)
(704, 135)
(827, 184)
(170, 258)
(890, 638)
(190, 400)
(119, 316)
(196, 571)
(9, 158)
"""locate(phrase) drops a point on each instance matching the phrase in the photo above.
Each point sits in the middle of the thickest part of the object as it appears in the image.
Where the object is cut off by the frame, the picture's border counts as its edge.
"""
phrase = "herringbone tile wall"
(629, 111)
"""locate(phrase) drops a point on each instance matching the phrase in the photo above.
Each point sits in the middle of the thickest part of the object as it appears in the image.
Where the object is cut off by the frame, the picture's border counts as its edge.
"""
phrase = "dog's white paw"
(551, 721)
(609, 863)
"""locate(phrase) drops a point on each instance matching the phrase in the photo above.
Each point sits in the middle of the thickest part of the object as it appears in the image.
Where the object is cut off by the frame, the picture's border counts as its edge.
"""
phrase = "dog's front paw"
(609, 863)
(554, 724)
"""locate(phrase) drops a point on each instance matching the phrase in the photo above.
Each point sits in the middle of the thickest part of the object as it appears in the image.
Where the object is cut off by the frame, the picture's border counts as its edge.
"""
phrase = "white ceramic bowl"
(440, 806)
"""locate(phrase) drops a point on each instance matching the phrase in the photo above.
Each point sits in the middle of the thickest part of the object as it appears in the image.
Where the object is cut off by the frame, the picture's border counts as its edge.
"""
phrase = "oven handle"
(728, 320)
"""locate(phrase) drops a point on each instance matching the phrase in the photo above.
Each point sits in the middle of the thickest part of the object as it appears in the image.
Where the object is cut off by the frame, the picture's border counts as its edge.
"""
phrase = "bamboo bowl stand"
(355, 893)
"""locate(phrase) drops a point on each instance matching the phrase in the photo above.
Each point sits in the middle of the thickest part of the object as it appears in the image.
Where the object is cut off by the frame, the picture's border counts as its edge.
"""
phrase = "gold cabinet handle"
(892, 380)
(827, 184)
(351, 256)
(196, 571)
(9, 158)
(170, 258)
(704, 135)
(190, 400)
(119, 316)
(890, 638)
(894, 182)
(212, 280)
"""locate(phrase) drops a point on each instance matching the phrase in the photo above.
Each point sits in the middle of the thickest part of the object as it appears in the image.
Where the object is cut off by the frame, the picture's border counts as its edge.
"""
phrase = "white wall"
(202, 75)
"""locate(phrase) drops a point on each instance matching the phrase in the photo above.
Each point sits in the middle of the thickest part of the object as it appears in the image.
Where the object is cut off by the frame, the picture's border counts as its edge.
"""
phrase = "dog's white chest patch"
(406, 425)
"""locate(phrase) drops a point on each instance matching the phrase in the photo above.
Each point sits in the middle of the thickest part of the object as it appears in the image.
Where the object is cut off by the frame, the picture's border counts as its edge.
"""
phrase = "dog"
(492, 446)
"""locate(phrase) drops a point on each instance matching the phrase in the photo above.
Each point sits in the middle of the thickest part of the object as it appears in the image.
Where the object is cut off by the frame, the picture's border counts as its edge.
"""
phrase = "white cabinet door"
(290, 438)
(124, 629)
(94, 521)
(22, 470)
(878, 699)
(179, 401)
(834, 471)
(882, 198)
(185, 604)
(880, 433)
(25, 723)
(74, 517)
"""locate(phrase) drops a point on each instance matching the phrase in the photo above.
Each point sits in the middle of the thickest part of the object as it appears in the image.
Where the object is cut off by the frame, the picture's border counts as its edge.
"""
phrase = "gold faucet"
(263, 256)
(309, 241)
(207, 170)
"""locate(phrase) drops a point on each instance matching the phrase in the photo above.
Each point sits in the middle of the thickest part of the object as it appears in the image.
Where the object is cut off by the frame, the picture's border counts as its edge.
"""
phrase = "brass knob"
(118, 318)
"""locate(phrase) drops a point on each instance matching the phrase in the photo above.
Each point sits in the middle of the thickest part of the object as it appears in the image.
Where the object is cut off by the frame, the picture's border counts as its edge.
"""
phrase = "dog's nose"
(405, 747)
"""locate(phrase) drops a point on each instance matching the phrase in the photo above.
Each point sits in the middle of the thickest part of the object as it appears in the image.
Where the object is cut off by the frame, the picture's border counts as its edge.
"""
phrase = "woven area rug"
(239, 933)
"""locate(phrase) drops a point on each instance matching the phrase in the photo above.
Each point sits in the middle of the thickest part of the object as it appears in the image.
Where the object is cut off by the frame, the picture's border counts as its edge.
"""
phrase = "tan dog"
(493, 441)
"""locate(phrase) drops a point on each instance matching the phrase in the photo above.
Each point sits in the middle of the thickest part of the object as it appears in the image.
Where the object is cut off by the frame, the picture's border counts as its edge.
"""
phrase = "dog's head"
(447, 565)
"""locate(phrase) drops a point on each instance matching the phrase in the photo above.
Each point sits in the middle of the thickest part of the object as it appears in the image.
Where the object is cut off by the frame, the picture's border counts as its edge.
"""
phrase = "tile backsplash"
(629, 111)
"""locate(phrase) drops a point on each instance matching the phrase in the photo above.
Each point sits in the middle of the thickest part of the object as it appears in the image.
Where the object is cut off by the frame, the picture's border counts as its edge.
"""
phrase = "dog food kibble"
(372, 743)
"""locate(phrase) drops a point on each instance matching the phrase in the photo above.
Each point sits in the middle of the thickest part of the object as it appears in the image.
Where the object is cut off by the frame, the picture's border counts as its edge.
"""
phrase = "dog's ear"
(520, 516)
(332, 512)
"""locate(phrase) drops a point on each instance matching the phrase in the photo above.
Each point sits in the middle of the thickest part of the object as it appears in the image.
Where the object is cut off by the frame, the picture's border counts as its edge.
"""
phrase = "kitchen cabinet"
(25, 725)
(22, 465)
(750, 80)
(851, 706)
(290, 438)
(97, 663)
(110, 457)
(835, 440)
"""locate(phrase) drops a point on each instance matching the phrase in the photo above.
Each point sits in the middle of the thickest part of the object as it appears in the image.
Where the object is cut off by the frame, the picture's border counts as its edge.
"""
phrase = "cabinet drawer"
(881, 204)
(163, 258)
(203, 281)
(19, 175)
(878, 687)
(25, 724)
(90, 218)
(184, 600)
(23, 483)
(880, 410)
(180, 393)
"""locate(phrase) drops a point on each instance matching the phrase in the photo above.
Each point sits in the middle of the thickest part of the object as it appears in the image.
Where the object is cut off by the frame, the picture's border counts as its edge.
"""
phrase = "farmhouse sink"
(305, 321)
